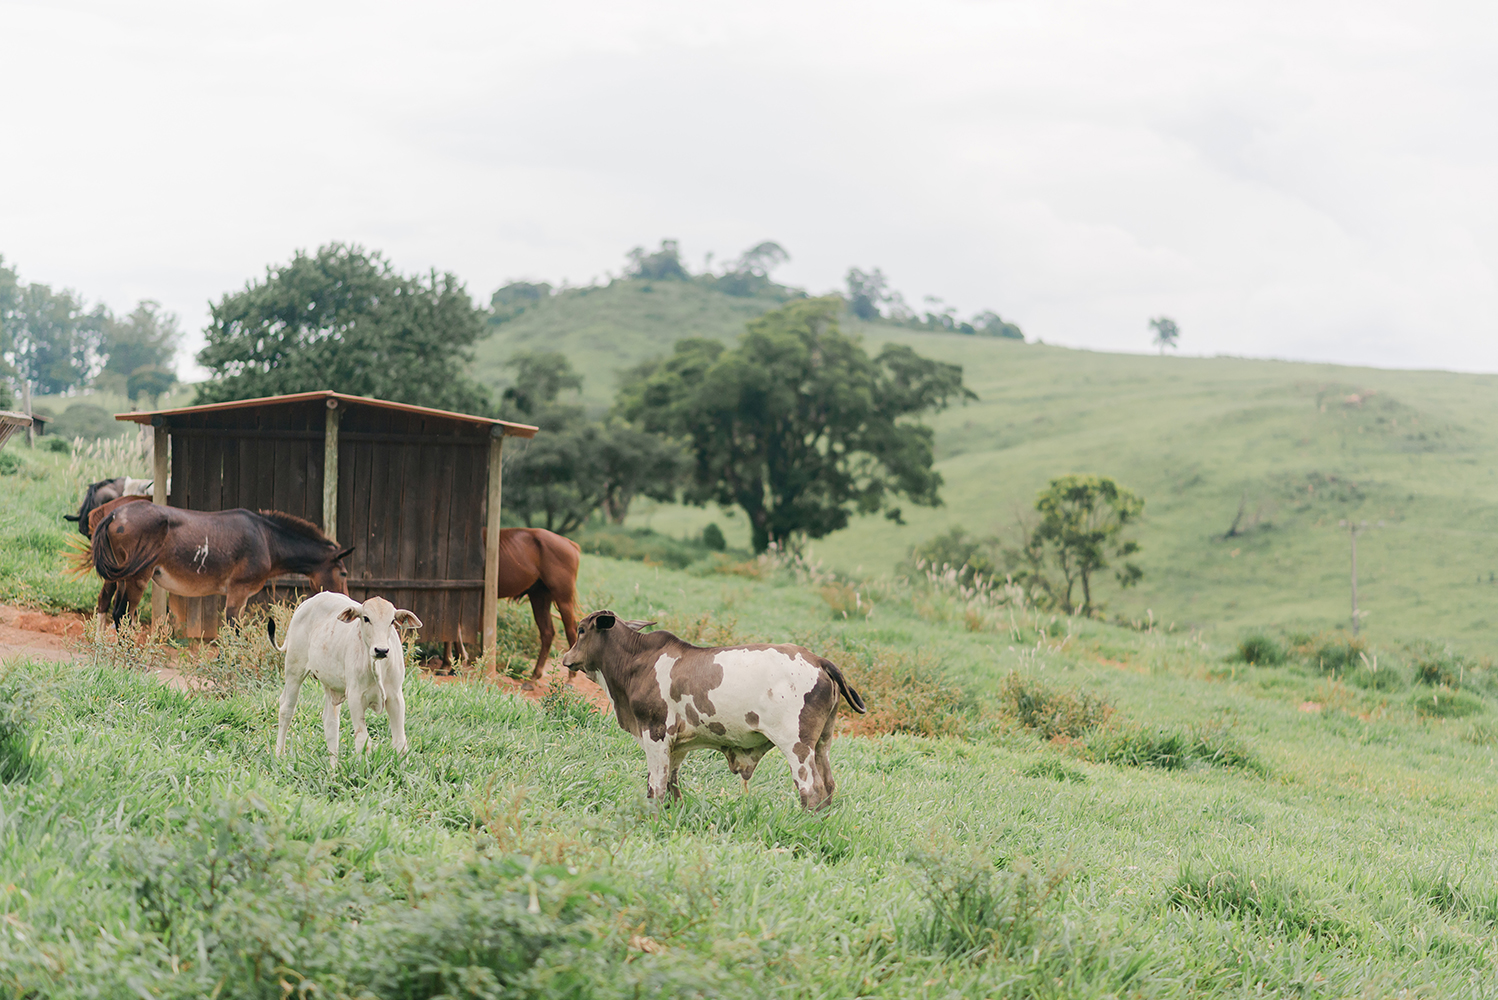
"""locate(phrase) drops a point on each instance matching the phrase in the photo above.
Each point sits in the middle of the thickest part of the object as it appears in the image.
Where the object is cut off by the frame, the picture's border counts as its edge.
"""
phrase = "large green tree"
(1082, 520)
(577, 466)
(797, 425)
(51, 339)
(147, 338)
(345, 319)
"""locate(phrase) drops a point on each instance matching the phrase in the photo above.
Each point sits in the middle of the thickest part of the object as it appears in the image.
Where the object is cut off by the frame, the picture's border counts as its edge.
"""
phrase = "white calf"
(355, 651)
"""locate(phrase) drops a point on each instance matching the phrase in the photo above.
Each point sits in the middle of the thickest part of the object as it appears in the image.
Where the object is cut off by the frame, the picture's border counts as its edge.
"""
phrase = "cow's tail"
(270, 630)
(854, 701)
(147, 553)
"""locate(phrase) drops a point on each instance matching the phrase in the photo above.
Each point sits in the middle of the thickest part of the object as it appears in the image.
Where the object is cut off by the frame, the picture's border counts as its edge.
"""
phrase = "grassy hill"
(605, 330)
(1301, 446)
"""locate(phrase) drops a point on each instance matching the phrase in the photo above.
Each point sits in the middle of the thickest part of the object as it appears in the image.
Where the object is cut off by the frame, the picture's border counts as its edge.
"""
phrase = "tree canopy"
(797, 424)
(51, 339)
(1166, 332)
(577, 466)
(344, 319)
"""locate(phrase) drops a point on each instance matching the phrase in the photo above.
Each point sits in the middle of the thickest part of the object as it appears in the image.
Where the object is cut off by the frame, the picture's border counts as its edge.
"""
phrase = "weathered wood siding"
(411, 495)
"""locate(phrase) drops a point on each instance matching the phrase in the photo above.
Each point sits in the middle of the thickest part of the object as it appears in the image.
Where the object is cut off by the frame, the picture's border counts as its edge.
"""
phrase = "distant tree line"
(871, 298)
(57, 342)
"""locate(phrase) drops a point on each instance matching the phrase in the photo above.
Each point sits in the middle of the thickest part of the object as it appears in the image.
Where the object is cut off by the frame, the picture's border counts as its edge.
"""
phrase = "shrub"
(846, 601)
(1213, 744)
(56, 445)
(977, 913)
(642, 545)
(1051, 713)
(1439, 665)
(903, 693)
(1228, 888)
(1261, 650)
(1445, 703)
(1333, 653)
(1452, 892)
(564, 705)
(1053, 767)
(10, 463)
(20, 710)
(712, 538)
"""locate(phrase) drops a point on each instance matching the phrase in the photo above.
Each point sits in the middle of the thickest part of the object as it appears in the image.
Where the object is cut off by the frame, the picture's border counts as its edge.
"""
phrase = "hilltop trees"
(797, 424)
(344, 319)
(51, 339)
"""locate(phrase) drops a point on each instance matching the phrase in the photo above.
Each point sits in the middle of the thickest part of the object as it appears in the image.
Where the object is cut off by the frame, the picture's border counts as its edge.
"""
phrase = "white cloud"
(1297, 180)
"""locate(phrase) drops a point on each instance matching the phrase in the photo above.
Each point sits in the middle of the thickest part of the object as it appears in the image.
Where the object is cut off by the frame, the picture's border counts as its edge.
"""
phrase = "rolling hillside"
(1300, 446)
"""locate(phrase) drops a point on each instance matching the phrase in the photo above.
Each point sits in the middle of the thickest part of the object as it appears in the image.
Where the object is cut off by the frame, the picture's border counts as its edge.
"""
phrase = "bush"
(643, 545)
(1259, 649)
(978, 913)
(1439, 666)
(1333, 653)
(1228, 888)
(1213, 744)
(55, 445)
(1445, 703)
(712, 538)
(1051, 713)
(903, 693)
(20, 710)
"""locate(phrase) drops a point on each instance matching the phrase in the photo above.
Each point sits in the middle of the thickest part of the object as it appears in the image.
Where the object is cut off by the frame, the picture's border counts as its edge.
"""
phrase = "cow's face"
(593, 637)
(333, 575)
(380, 624)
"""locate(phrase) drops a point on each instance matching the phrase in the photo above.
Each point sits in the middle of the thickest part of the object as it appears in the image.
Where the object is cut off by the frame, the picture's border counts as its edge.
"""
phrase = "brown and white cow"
(675, 697)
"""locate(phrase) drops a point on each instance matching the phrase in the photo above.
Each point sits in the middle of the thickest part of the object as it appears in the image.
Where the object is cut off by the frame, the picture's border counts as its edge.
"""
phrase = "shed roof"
(504, 427)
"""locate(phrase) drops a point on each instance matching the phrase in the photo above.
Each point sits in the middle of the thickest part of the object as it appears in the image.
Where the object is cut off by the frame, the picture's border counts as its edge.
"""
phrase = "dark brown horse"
(538, 564)
(195, 553)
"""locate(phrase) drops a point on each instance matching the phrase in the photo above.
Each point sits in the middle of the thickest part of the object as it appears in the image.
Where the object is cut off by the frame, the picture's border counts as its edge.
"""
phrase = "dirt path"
(37, 635)
(41, 636)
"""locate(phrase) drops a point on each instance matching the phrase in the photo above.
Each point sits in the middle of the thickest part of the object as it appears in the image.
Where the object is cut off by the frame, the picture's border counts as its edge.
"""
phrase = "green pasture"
(1300, 446)
(152, 846)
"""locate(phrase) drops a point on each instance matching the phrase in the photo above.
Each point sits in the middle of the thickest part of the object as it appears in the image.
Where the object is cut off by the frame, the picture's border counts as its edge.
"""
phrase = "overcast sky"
(1299, 180)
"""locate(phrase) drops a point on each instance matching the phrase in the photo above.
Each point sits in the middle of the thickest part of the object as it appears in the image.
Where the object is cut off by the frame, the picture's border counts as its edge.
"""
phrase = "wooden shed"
(415, 490)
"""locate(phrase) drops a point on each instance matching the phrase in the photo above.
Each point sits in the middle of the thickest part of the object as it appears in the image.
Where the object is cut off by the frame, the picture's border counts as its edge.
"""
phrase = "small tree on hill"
(866, 292)
(1082, 519)
(1166, 332)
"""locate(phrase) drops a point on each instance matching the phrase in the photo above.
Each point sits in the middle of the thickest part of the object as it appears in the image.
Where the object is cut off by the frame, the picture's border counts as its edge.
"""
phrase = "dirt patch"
(37, 635)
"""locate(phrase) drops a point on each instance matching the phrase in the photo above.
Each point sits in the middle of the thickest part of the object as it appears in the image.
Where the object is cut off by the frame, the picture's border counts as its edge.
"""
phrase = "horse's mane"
(297, 526)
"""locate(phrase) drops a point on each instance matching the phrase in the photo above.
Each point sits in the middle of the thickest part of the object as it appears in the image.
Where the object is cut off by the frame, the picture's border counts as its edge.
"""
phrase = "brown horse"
(195, 553)
(540, 565)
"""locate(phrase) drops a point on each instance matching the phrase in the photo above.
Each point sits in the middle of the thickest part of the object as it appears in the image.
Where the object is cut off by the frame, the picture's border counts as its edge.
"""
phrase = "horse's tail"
(78, 559)
(147, 552)
(854, 701)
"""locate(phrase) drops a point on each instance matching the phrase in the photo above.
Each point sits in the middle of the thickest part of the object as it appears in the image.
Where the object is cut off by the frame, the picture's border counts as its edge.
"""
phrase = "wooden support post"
(162, 471)
(330, 472)
(491, 549)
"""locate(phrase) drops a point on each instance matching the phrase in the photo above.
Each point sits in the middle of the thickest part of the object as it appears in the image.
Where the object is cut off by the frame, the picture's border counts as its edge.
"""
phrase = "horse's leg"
(541, 608)
(447, 656)
(106, 598)
(240, 592)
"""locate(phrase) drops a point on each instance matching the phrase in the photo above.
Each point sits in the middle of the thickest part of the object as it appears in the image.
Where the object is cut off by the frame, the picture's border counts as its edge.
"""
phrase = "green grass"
(156, 846)
(1195, 436)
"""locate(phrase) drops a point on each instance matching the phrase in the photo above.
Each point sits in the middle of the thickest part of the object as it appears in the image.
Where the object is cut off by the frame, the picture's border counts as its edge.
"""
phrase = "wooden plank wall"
(410, 498)
(221, 461)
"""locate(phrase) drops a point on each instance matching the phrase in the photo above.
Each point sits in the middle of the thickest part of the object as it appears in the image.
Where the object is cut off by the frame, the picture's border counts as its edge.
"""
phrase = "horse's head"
(331, 574)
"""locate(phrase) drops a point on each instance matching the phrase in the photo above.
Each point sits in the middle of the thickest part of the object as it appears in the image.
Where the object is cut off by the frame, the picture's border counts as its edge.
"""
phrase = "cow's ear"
(407, 619)
(637, 626)
(604, 621)
(350, 615)
(344, 554)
